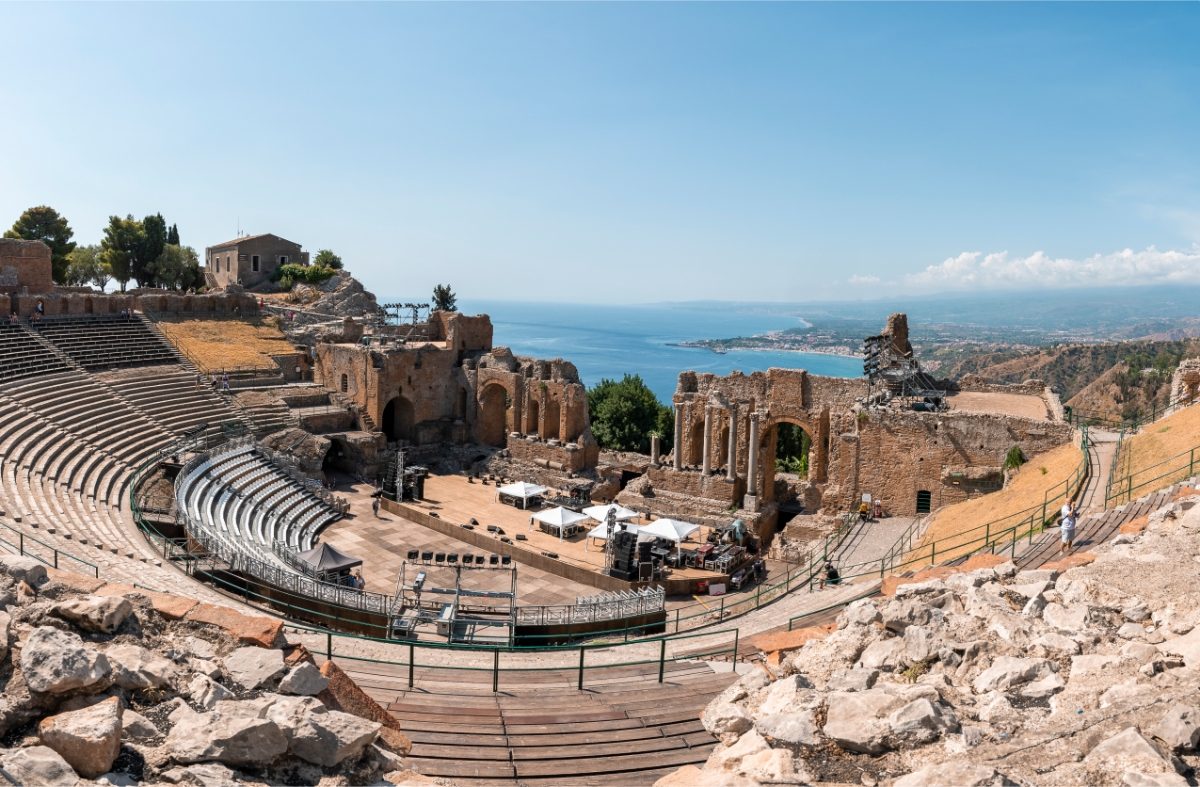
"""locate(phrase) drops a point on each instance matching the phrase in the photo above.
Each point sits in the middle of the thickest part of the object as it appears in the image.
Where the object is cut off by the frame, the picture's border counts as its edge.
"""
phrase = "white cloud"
(864, 281)
(975, 270)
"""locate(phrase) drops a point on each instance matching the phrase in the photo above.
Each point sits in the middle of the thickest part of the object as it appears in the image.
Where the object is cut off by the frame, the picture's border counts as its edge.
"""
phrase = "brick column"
(678, 462)
(731, 470)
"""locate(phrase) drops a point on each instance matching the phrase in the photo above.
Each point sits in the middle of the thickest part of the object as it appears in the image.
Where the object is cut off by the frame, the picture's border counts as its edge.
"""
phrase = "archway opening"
(787, 454)
(695, 453)
(550, 422)
(534, 426)
(493, 409)
(398, 420)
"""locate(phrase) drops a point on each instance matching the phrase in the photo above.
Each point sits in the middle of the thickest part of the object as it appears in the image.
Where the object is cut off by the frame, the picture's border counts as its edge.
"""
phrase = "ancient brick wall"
(25, 267)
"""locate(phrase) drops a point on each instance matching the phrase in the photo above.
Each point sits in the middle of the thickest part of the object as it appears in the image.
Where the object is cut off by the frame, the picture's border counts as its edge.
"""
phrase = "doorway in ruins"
(398, 420)
(787, 451)
(493, 415)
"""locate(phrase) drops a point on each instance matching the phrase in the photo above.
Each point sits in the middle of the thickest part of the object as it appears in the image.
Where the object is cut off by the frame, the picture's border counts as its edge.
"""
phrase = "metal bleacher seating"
(107, 341)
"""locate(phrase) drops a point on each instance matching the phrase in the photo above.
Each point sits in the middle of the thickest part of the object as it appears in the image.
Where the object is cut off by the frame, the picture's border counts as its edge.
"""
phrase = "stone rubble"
(106, 690)
(1084, 672)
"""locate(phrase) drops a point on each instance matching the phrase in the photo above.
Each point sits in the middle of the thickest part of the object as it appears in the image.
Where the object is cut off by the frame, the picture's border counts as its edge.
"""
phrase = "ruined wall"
(1185, 382)
(454, 387)
(25, 267)
(74, 303)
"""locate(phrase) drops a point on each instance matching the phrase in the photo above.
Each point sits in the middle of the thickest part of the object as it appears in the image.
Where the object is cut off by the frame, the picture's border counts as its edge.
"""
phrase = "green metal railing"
(24, 544)
(1171, 470)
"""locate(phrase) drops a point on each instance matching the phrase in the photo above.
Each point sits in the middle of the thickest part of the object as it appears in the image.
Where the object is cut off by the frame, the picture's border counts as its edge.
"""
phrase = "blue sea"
(611, 341)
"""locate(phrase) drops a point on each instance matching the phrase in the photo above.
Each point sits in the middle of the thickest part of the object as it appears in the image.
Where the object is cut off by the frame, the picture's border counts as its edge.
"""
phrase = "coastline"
(715, 351)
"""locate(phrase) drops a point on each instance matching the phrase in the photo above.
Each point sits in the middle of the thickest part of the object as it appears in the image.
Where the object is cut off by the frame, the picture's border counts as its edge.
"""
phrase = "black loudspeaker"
(624, 564)
(645, 572)
(643, 550)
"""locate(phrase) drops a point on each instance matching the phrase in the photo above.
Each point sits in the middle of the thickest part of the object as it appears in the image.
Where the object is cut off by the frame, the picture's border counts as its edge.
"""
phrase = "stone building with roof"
(250, 260)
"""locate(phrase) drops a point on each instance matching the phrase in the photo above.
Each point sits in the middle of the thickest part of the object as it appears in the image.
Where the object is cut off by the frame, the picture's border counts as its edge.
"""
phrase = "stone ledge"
(249, 630)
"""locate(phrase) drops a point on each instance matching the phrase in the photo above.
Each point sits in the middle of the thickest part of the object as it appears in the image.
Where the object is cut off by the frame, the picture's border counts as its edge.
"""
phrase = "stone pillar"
(706, 463)
(731, 471)
(752, 459)
(678, 462)
(654, 449)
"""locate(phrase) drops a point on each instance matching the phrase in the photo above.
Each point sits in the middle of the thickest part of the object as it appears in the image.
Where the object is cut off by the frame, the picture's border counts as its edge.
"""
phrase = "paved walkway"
(1102, 453)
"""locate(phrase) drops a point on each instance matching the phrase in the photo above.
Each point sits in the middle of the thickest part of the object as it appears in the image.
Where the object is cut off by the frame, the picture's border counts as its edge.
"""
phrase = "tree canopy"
(124, 238)
(86, 265)
(444, 299)
(46, 224)
(327, 259)
(625, 412)
(178, 268)
(173, 235)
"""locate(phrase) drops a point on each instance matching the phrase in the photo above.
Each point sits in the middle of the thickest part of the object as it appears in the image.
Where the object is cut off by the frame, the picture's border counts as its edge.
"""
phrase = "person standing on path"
(375, 506)
(1067, 525)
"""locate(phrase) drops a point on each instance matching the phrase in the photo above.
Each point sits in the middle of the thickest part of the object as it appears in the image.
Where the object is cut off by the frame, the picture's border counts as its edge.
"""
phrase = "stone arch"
(533, 424)
(551, 418)
(767, 450)
(494, 404)
(398, 420)
(695, 444)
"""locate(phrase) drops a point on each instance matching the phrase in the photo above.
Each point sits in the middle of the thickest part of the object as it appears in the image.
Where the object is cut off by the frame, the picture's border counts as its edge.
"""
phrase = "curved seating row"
(243, 496)
(172, 397)
(107, 341)
(22, 355)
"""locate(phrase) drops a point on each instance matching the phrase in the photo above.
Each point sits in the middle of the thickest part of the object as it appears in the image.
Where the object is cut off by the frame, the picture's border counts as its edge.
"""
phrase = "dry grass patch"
(214, 345)
(1042, 476)
(1159, 455)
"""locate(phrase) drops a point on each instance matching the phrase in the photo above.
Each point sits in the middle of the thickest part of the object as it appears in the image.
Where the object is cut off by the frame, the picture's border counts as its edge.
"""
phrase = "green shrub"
(1014, 458)
(309, 274)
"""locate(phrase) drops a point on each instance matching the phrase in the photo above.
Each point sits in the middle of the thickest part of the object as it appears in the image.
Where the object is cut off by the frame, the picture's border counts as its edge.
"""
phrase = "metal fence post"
(411, 659)
(329, 645)
(56, 558)
(580, 684)
(496, 671)
(662, 658)
(21, 538)
(736, 636)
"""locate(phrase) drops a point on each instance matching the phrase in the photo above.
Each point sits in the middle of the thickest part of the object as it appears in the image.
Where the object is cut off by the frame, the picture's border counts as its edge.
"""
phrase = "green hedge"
(309, 274)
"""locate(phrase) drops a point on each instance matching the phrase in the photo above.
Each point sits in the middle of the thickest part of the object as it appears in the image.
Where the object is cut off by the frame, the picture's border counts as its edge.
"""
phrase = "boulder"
(207, 774)
(861, 613)
(206, 692)
(724, 718)
(1057, 645)
(26, 569)
(1092, 663)
(919, 644)
(5, 634)
(920, 721)
(882, 654)
(1187, 646)
(327, 739)
(1127, 751)
(226, 738)
(89, 739)
(1009, 671)
(1043, 687)
(56, 662)
(855, 720)
(1179, 728)
(304, 679)
(794, 728)
(102, 614)
(252, 667)
(957, 773)
(136, 727)
(852, 680)
(137, 668)
(37, 765)
(1068, 620)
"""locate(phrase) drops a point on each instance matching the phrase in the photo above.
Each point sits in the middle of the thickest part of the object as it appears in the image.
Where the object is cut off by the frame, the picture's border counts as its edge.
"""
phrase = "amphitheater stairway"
(623, 728)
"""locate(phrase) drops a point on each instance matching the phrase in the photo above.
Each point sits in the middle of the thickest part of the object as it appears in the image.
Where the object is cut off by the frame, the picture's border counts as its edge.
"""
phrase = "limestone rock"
(55, 662)
(206, 692)
(135, 667)
(1009, 671)
(5, 634)
(852, 680)
(89, 739)
(957, 773)
(303, 679)
(920, 722)
(854, 720)
(22, 568)
(723, 718)
(1127, 750)
(228, 739)
(207, 774)
(252, 667)
(1179, 728)
(103, 614)
(1066, 619)
(37, 765)
(329, 738)
(883, 654)
(137, 727)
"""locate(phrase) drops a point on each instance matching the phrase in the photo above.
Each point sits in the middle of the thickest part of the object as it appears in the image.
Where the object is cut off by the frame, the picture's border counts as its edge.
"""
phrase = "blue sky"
(592, 152)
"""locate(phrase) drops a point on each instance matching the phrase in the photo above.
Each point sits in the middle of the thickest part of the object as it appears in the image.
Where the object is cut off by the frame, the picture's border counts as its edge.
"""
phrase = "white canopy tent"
(600, 531)
(670, 529)
(600, 513)
(522, 491)
(559, 518)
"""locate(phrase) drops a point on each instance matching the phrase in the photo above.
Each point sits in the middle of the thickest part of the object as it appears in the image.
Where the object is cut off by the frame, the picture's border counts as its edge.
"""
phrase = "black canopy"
(325, 559)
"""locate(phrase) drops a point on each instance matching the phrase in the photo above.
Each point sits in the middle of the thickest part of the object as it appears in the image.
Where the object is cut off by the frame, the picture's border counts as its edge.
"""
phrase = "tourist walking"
(1067, 525)
(375, 506)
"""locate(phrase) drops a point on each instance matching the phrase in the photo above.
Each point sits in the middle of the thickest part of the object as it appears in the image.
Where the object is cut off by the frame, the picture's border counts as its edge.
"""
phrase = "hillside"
(1119, 379)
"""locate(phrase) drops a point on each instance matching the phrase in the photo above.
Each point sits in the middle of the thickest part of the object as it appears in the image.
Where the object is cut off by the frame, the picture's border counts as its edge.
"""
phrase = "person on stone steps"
(1070, 515)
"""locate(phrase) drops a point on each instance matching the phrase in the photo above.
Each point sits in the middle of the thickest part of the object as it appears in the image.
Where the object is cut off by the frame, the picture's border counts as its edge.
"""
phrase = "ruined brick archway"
(493, 415)
(768, 448)
(695, 454)
(550, 420)
(398, 420)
